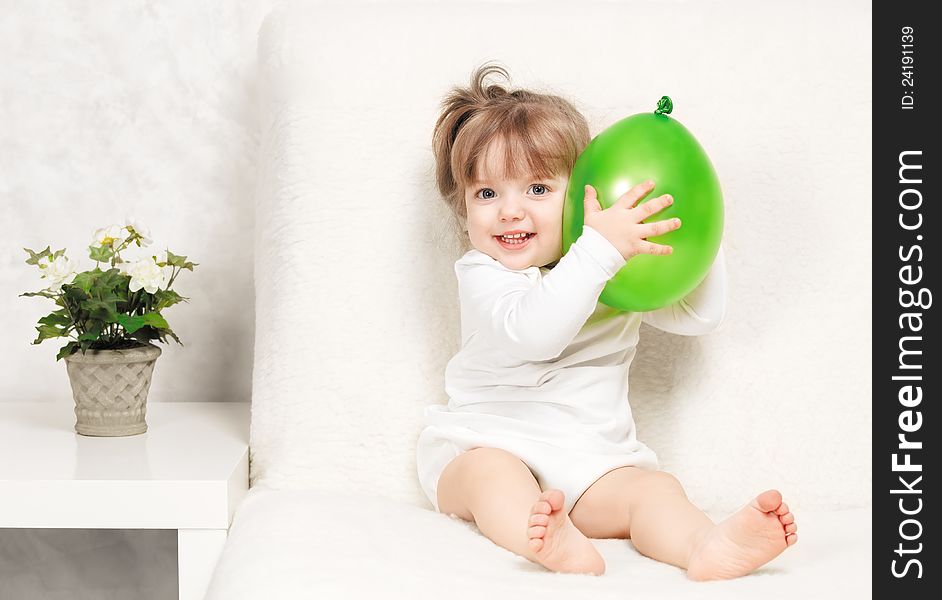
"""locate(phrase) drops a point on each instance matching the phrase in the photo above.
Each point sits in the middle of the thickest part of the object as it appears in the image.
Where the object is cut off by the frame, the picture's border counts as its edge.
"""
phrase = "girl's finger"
(632, 196)
(659, 227)
(658, 249)
(652, 206)
(591, 200)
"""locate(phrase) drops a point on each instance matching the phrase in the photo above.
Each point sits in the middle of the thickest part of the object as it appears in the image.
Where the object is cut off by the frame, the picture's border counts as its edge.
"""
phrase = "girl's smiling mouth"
(516, 241)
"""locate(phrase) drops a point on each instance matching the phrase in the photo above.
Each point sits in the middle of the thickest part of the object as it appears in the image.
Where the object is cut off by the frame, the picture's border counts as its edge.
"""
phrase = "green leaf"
(101, 310)
(100, 253)
(176, 260)
(34, 258)
(155, 319)
(146, 334)
(43, 293)
(93, 331)
(106, 295)
(100, 300)
(132, 324)
(165, 298)
(66, 350)
(85, 280)
(113, 278)
(173, 335)
(59, 317)
(74, 296)
(48, 331)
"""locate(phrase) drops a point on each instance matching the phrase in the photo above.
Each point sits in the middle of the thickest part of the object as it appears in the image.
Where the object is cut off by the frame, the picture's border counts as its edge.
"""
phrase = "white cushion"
(308, 544)
(356, 297)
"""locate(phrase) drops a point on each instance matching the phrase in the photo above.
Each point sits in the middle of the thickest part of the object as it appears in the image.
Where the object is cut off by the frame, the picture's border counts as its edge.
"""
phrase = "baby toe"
(782, 509)
(539, 519)
(542, 507)
(537, 531)
(791, 538)
(768, 501)
(555, 498)
(791, 528)
(787, 518)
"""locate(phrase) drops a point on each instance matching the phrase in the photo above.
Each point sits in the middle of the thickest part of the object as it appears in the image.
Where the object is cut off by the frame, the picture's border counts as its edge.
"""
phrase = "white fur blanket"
(355, 291)
(305, 544)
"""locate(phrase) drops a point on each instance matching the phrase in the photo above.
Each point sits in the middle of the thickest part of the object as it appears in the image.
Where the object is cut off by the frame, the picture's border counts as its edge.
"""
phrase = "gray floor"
(86, 564)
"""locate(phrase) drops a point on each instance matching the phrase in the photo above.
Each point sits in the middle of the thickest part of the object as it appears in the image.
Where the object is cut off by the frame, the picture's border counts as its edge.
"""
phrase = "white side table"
(188, 472)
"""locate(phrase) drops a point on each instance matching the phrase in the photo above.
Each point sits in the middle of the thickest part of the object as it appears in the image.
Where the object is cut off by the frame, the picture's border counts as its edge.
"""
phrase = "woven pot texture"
(110, 389)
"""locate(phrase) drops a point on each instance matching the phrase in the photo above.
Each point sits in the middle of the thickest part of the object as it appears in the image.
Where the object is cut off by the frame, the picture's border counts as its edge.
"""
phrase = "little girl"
(537, 444)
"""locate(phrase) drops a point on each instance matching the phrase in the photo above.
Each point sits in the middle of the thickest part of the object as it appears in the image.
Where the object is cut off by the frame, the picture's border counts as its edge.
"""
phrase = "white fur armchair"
(357, 305)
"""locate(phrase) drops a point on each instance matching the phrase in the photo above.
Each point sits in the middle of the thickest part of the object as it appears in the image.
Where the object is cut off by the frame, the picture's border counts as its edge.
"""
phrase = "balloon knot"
(664, 106)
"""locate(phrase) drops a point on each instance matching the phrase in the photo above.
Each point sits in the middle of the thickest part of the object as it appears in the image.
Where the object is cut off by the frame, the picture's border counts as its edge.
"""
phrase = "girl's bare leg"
(497, 491)
(652, 509)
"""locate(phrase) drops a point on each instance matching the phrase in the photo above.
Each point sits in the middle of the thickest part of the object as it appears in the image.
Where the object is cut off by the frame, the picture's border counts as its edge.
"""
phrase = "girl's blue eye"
(487, 193)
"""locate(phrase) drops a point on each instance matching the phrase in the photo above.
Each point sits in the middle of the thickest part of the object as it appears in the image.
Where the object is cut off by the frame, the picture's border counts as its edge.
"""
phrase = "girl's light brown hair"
(542, 134)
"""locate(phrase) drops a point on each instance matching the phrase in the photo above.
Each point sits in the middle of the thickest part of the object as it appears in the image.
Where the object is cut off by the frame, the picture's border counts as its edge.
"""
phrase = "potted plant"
(111, 316)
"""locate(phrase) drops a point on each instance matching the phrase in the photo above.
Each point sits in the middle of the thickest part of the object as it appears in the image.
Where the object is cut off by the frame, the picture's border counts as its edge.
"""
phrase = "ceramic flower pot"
(110, 389)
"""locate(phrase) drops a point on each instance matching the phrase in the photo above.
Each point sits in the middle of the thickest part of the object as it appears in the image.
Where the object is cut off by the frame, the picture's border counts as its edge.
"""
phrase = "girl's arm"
(701, 311)
(535, 318)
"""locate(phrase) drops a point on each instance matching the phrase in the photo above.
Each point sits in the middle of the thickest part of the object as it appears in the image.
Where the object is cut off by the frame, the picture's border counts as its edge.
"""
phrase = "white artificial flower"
(108, 235)
(58, 271)
(135, 226)
(146, 274)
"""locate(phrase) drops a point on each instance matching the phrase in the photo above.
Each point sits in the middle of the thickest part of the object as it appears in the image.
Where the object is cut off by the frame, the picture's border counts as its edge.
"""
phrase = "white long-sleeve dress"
(543, 367)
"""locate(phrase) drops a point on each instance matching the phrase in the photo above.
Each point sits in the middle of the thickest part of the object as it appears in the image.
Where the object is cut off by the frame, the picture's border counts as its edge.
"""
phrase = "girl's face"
(498, 206)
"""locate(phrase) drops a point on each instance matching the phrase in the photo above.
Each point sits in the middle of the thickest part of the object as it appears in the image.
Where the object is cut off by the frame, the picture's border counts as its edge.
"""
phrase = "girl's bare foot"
(746, 540)
(556, 543)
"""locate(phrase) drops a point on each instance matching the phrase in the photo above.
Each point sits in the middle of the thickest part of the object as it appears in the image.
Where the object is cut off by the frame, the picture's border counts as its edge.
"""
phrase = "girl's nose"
(511, 209)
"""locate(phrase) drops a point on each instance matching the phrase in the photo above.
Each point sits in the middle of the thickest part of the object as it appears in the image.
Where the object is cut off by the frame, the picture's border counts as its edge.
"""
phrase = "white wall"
(131, 108)
(107, 109)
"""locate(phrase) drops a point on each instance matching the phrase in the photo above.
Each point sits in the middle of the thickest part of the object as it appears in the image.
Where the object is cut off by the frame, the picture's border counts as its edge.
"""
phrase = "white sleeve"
(701, 311)
(537, 320)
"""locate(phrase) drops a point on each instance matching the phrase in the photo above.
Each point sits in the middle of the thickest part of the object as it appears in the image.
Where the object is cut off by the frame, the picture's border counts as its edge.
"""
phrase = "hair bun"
(488, 91)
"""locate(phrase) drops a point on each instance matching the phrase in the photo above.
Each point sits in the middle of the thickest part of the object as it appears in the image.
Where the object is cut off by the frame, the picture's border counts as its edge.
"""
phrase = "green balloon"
(657, 147)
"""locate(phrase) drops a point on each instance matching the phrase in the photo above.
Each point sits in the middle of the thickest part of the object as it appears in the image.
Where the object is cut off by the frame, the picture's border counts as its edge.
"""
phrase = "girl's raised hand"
(621, 223)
